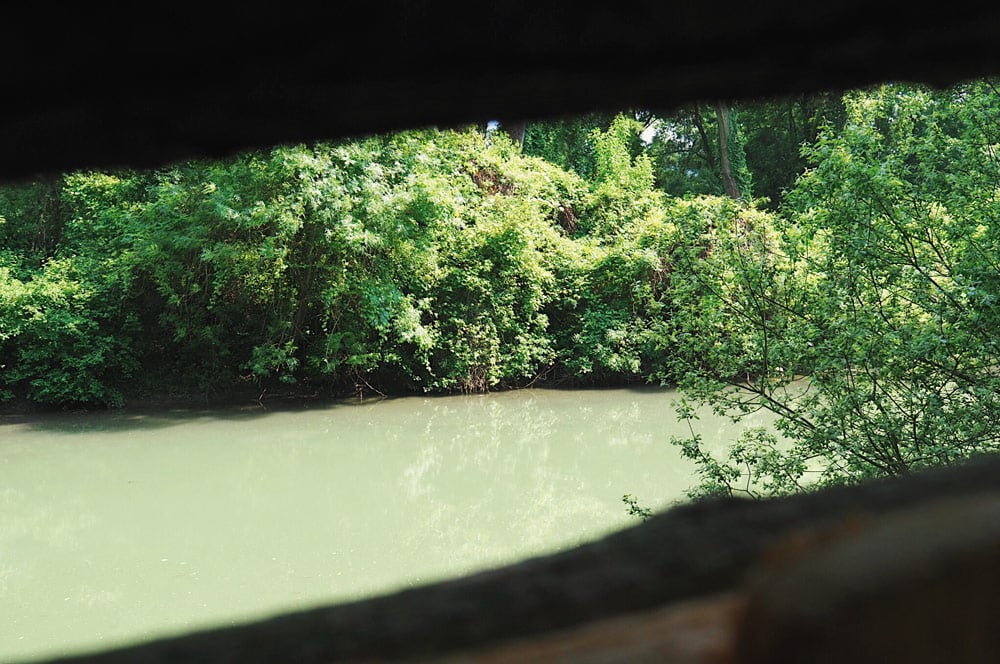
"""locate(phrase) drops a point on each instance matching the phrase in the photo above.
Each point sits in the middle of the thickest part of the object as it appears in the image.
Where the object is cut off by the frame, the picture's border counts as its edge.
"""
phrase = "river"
(123, 526)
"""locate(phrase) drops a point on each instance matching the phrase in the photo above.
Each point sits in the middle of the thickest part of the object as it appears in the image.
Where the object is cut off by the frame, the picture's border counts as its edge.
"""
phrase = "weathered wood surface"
(708, 552)
(86, 87)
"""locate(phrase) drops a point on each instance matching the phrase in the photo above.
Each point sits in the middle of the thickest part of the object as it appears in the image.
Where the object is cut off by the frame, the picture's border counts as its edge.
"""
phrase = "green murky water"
(122, 527)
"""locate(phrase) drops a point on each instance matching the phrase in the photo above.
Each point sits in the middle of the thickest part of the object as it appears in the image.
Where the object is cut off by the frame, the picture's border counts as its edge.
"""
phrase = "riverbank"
(256, 395)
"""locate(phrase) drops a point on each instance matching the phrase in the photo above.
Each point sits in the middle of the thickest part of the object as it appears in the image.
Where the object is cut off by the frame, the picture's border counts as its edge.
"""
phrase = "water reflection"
(120, 527)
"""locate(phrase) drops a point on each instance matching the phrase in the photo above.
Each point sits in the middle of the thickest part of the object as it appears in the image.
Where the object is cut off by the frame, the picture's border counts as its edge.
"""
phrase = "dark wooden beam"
(88, 87)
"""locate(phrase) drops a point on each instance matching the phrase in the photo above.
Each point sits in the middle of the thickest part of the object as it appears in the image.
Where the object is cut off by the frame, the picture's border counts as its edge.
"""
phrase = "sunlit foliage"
(852, 290)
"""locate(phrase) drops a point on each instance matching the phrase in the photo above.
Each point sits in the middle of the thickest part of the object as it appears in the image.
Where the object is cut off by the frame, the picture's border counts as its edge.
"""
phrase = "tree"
(566, 142)
(879, 289)
(515, 129)
(775, 132)
(699, 150)
(725, 166)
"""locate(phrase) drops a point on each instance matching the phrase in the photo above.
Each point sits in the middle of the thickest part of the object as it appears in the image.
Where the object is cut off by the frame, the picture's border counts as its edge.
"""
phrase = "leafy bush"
(879, 285)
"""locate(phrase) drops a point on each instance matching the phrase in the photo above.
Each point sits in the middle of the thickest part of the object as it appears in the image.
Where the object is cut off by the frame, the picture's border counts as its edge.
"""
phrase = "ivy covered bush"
(428, 261)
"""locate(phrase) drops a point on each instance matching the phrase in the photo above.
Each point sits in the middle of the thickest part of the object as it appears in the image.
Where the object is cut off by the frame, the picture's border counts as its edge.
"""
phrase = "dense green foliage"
(848, 281)
(879, 283)
(425, 260)
(567, 143)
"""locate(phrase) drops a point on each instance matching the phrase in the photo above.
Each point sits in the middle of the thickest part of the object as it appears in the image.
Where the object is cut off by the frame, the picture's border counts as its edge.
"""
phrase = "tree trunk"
(728, 181)
(516, 131)
(708, 150)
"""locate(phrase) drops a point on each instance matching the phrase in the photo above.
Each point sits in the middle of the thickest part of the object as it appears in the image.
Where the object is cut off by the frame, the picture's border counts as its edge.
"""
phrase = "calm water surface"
(121, 527)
